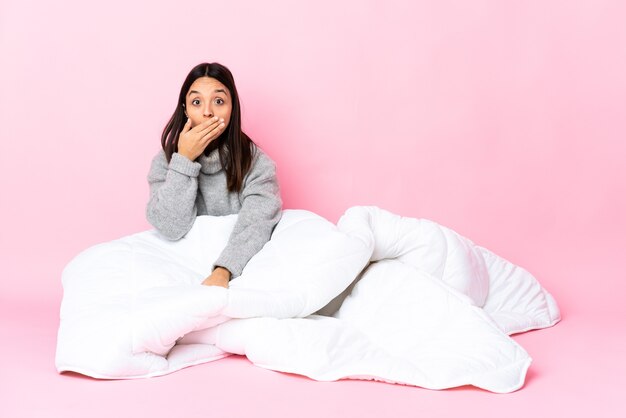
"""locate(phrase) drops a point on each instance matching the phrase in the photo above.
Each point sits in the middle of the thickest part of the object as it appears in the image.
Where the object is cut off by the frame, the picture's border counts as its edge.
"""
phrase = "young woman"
(209, 166)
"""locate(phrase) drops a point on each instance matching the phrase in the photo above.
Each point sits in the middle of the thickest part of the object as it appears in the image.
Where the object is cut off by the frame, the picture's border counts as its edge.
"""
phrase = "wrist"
(222, 272)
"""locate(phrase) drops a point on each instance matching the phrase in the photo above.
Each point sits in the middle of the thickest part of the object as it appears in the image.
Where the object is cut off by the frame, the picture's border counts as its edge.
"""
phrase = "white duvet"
(377, 296)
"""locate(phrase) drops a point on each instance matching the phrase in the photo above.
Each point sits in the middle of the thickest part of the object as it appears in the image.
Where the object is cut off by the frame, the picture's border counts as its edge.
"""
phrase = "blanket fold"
(377, 296)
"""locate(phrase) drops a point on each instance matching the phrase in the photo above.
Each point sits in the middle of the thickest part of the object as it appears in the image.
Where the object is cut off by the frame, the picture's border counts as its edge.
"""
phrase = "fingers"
(213, 132)
(208, 125)
(201, 126)
(205, 131)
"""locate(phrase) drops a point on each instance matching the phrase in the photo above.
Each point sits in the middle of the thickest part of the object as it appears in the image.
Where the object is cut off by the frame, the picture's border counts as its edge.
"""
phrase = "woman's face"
(207, 97)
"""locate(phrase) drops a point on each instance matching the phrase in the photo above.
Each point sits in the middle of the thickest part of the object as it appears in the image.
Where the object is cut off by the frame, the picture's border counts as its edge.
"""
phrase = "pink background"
(502, 120)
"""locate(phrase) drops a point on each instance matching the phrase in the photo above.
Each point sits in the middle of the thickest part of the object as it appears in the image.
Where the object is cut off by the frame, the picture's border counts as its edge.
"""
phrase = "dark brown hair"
(235, 147)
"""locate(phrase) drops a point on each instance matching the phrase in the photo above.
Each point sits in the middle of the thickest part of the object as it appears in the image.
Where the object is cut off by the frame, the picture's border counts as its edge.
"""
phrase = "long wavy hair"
(235, 147)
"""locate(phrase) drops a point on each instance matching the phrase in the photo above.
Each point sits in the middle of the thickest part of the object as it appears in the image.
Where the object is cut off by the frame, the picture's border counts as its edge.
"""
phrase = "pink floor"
(578, 369)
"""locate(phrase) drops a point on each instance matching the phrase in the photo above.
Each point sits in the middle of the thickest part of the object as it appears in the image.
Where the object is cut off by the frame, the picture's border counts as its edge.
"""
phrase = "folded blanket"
(377, 296)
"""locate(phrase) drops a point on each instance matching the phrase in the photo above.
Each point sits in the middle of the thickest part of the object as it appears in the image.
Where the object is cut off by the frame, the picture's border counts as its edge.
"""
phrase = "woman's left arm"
(260, 212)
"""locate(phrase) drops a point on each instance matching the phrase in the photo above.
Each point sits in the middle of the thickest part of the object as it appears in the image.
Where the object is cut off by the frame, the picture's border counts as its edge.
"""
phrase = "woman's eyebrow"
(215, 91)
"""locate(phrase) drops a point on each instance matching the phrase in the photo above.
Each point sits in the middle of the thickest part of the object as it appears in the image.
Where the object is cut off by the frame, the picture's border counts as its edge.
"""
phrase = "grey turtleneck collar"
(211, 163)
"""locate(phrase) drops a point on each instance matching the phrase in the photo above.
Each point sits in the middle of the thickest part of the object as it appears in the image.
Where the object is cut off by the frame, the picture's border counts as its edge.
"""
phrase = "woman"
(209, 166)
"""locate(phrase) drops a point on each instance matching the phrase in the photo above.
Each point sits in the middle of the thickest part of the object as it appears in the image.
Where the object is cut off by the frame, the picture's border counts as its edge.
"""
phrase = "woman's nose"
(208, 112)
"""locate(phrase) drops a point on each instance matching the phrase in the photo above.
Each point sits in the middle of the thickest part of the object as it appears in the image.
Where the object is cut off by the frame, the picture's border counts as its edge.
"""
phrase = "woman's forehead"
(207, 85)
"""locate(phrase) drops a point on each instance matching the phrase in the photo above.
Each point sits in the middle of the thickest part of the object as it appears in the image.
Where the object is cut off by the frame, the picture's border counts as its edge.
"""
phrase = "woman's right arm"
(173, 188)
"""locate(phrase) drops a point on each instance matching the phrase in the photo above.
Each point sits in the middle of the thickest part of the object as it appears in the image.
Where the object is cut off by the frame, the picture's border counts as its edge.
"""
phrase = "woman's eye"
(194, 101)
(219, 101)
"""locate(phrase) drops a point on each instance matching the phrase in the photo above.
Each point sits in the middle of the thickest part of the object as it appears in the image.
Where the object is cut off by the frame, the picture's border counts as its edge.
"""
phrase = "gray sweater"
(184, 189)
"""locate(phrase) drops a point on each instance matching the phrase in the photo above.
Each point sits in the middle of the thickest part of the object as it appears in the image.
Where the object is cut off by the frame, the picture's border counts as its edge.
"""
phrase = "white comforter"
(377, 296)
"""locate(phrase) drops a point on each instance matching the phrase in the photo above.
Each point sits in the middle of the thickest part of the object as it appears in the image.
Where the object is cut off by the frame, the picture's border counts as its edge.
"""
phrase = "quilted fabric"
(377, 296)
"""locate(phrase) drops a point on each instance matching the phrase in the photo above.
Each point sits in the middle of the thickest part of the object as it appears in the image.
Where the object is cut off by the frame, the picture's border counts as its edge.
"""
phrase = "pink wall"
(502, 120)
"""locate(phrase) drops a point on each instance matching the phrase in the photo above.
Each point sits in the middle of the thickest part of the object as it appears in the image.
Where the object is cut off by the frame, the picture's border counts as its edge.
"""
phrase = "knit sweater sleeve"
(260, 212)
(171, 208)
